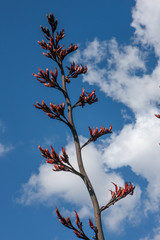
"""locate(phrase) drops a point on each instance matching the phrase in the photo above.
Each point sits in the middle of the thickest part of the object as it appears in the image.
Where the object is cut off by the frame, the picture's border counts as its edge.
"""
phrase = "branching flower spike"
(64, 113)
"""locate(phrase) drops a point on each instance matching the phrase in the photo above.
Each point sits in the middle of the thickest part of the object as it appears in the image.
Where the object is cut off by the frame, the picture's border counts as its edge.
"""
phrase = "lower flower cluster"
(79, 229)
(118, 194)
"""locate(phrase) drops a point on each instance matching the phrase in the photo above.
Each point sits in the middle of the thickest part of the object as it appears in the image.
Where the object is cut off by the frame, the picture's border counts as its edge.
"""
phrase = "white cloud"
(48, 186)
(95, 50)
(146, 18)
(124, 78)
(4, 149)
(119, 77)
(124, 209)
(156, 235)
(137, 146)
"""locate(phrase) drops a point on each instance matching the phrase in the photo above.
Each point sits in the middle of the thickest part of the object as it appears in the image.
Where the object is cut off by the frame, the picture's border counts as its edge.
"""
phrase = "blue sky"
(119, 41)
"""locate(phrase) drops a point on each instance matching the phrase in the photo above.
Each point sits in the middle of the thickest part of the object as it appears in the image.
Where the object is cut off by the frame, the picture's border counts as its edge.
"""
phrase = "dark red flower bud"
(116, 187)
(157, 115)
(91, 224)
(77, 218)
(77, 233)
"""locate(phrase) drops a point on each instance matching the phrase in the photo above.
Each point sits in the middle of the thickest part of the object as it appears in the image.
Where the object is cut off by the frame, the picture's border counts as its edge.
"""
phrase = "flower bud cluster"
(84, 98)
(122, 192)
(54, 111)
(59, 37)
(53, 23)
(60, 163)
(46, 79)
(55, 51)
(46, 32)
(57, 54)
(96, 134)
(118, 194)
(79, 229)
(94, 228)
(89, 98)
(74, 71)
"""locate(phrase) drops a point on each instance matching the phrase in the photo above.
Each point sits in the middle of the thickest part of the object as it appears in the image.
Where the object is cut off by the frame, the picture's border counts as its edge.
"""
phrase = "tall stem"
(85, 178)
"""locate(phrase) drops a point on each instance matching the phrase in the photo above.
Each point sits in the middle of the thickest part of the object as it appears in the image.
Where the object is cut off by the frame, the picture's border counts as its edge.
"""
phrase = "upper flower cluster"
(55, 51)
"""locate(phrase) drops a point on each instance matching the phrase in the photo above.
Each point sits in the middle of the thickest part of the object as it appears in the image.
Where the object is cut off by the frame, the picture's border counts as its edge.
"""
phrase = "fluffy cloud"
(119, 78)
(124, 77)
(137, 146)
(47, 186)
(146, 20)
(137, 143)
(50, 186)
(125, 209)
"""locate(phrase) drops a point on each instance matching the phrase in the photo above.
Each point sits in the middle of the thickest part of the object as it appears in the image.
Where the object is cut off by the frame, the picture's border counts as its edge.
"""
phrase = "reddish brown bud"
(67, 80)
(157, 115)
(68, 221)
(77, 218)
(50, 115)
(91, 224)
(116, 187)
(112, 193)
(77, 233)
